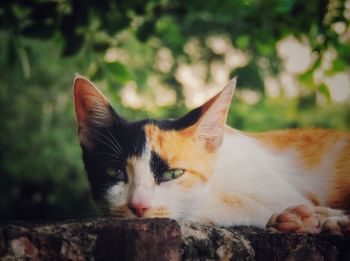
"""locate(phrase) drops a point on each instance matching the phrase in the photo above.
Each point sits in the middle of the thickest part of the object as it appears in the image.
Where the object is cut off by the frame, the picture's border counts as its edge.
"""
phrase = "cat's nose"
(138, 208)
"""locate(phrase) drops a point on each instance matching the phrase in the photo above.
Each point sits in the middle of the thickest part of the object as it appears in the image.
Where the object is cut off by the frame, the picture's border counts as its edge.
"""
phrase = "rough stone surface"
(249, 243)
(94, 239)
(160, 239)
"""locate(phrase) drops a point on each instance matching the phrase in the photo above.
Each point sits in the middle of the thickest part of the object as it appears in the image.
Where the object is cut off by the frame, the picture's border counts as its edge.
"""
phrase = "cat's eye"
(118, 174)
(171, 174)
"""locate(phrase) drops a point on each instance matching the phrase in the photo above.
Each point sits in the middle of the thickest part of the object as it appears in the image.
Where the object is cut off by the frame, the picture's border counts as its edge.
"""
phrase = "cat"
(196, 168)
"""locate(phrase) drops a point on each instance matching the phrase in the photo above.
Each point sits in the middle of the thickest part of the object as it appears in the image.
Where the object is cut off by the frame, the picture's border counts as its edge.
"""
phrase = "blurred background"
(156, 59)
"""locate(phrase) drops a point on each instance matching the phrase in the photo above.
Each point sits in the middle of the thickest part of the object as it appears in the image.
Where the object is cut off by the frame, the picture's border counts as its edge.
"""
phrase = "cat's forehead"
(149, 136)
(135, 138)
(160, 136)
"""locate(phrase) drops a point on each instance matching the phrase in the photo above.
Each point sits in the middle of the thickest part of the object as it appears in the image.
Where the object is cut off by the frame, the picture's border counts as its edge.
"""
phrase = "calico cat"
(196, 168)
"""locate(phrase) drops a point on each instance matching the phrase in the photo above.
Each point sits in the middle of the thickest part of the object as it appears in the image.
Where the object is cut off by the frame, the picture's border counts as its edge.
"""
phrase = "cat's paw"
(337, 225)
(298, 219)
(310, 219)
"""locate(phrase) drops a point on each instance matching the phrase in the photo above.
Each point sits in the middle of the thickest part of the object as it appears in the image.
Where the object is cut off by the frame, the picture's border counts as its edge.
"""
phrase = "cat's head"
(149, 168)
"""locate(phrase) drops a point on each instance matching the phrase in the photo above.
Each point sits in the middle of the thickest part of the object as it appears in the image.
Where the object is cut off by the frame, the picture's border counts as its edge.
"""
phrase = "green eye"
(171, 174)
(118, 174)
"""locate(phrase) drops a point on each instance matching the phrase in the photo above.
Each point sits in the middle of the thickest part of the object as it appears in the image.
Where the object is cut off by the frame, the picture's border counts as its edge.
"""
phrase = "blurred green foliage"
(44, 43)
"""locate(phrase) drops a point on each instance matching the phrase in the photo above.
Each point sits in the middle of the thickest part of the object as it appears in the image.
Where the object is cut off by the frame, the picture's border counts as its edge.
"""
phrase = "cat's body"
(260, 174)
(197, 168)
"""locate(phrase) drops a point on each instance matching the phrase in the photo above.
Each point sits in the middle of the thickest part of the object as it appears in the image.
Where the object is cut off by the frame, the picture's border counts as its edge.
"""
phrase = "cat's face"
(149, 168)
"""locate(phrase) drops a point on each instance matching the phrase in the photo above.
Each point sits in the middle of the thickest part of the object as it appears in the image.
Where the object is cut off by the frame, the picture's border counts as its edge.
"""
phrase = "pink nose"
(138, 208)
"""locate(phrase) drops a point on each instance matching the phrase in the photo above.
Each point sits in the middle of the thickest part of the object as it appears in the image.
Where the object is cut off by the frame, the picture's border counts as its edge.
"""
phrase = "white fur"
(142, 180)
(265, 181)
(256, 176)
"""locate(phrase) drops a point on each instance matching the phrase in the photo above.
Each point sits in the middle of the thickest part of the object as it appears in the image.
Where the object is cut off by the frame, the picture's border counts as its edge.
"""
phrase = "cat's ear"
(91, 108)
(210, 125)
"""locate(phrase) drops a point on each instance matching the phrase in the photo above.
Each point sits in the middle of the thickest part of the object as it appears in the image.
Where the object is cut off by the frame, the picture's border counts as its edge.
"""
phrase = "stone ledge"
(160, 239)
(92, 239)
(249, 243)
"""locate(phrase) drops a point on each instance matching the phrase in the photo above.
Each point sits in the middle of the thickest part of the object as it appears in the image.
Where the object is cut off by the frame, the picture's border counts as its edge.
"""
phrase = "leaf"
(338, 65)
(242, 41)
(98, 74)
(307, 101)
(115, 23)
(118, 72)
(249, 77)
(284, 6)
(307, 77)
(323, 88)
(23, 57)
(265, 47)
(169, 31)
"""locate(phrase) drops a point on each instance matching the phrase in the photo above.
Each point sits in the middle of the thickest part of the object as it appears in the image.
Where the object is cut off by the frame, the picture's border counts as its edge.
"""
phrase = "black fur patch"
(179, 124)
(112, 148)
(158, 165)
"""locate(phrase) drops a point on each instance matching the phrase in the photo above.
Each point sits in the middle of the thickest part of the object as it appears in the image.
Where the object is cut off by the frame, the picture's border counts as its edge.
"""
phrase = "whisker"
(106, 211)
(111, 155)
(116, 142)
(116, 161)
(108, 145)
(116, 147)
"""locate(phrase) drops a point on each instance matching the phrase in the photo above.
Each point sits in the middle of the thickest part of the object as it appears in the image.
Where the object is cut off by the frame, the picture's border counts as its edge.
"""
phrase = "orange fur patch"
(231, 200)
(180, 150)
(340, 191)
(310, 144)
(314, 199)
